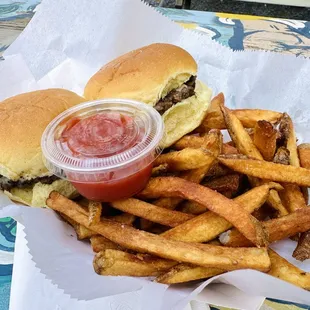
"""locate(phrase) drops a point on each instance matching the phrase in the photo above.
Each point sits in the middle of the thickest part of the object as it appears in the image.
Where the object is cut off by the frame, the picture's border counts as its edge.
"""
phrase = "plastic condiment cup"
(105, 148)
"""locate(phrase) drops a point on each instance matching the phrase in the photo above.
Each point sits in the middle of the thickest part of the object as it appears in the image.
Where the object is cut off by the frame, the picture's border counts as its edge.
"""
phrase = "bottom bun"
(187, 115)
(36, 196)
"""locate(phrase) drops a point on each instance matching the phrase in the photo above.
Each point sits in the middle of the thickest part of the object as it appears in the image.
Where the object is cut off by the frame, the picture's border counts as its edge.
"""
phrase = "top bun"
(23, 119)
(146, 74)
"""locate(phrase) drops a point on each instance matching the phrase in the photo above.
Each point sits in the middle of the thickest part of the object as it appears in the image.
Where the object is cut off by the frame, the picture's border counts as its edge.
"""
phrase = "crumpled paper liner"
(63, 46)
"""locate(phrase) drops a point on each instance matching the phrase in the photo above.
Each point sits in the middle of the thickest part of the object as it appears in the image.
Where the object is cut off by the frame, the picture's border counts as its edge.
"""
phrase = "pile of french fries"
(210, 207)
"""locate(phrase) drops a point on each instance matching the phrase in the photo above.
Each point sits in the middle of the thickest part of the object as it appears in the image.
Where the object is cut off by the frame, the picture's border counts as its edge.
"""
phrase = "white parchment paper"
(64, 44)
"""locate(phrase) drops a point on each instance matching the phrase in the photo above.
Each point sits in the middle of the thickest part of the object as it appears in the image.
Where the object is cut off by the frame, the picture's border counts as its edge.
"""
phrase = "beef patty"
(176, 95)
(7, 184)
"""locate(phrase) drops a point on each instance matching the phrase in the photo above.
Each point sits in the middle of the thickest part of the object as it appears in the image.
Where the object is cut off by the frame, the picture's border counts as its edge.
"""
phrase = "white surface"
(302, 3)
(61, 37)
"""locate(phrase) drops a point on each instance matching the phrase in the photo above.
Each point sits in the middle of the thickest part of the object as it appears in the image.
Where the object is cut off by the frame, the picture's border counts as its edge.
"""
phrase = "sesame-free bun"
(148, 74)
(23, 119)
(187, 115)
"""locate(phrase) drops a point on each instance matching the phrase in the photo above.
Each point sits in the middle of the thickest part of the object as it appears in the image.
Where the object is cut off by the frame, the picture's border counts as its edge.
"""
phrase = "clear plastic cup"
(105, 148)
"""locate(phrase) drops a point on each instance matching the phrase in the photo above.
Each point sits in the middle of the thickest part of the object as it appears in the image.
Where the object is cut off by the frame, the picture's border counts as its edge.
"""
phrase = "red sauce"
(115, 190)
(100, 136)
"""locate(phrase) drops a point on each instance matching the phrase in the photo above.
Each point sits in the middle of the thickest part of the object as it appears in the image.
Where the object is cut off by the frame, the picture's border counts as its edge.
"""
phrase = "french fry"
(226, 183)
(159, 170)
(197, 175)
(304, 158)
(206, 141)
(213, 142)
(185, 272)
(275, 202)
(282, 156)
(185, 159)
(245, 145)
(228, 149)
(189, 141)
(288, 132)
(95, 209)
(218, 170)
(265, 139)
(304, 155)
(267, 170)
(81, 231)
(214, 118)
(226, 208)
(151, 212)
(292, 197)
(169, 203)
(277, 229)
(239, 135)
(192, 207)
(118, 263)
(250, 132)
(141, 241)
(304, 191)
(248, 117)
(124, 218)
(208, 225)
(82, 201)
(100, 243)
(302, 251)
(284, 270)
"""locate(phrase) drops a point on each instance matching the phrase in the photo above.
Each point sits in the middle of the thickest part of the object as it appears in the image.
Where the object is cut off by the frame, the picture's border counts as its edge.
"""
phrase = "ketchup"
(105, 148)
(100, 135)
(104, 135)
(115, 190)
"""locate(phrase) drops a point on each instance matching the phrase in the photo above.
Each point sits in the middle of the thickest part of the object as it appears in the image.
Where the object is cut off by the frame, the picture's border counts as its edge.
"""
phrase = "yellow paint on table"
(188, 25)
(241, 16)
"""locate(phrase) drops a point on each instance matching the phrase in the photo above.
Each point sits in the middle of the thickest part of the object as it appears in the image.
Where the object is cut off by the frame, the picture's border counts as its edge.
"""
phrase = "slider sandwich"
(23, 119)
(161, 75)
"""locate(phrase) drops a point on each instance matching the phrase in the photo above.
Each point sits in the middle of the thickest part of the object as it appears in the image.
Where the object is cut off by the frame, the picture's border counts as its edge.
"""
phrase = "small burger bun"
(148, 74)
(23, 119)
